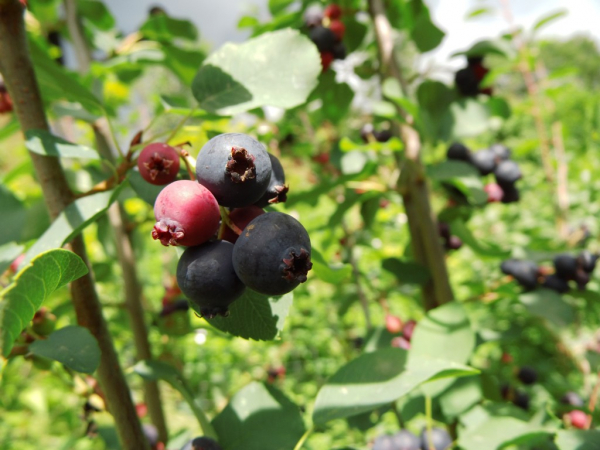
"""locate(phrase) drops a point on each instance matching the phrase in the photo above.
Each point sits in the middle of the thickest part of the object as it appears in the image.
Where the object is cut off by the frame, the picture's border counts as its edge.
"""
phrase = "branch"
(19, 77)
(412, 185)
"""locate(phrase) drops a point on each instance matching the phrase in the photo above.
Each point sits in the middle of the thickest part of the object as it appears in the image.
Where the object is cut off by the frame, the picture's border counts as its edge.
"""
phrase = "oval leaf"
(73, 346)
(578, 439)
(329, 273)
(257, 73)
(45, 143)
(259, 417)
(376, 379)
(254, 316)
(32, 285)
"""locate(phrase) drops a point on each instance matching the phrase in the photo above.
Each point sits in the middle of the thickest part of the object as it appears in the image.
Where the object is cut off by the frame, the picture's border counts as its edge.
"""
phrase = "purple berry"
(158, 164)
(438, 439)
(202, 443)
(502, 152)
(272, 255)
(458, 152)
(235, 168)
(277, 190)
(323, 38)
(556, 284)
(566, 266)
(527, 375)
(240, 218)
(484, 161)
(405, 440)
(572, 399)
(466, 82)
(206, 276)
(507, 172)
(186, 214)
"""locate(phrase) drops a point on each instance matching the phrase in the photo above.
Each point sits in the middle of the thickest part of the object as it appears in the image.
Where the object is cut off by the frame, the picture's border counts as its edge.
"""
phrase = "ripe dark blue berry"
(339, 50)
(525, 272)
(521, 399)
(484, 160)
(527, 375)
(439, 439)
(510, 193)
(556, 284)
(277, 190)
(272, 255)
(202, 443)
(235, 168)
(323, 38)
(572, 399)
(507, 172)
(502, 152)
(405, 440)
(466, 82)
(384, 442)
(566, 266)
(587, 261)
(206, 276)
(458, 152)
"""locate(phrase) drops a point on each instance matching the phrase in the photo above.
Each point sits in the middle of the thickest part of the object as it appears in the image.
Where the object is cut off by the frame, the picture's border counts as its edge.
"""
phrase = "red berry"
(401, 342)
(338, 29)
(494, 192)
(486, 91)
(6, 104)
(186, 213)
(578, 419)
(408, 329)
(158, 164)
(393, 324)
(326, 60)
(240, 218)
(14, 266)
(321, 158)
(480, 71)
(333, 11)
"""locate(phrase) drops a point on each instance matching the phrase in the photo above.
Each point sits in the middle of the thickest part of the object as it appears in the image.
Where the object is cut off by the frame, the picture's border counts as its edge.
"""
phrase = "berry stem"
(181, 124)
(189, 162)
(226, 222)
(304, 438)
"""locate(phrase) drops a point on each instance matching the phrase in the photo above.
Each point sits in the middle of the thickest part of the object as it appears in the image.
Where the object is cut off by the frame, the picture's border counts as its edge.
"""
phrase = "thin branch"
(562, 172)
(19, 77)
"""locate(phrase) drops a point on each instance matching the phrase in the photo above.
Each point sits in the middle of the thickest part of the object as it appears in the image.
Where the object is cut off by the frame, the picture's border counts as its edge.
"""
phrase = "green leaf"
(469, 118)
(96, 13)
(500, 47)
(459, 229)
(71, 221)
(479, 12)
(376, 379)
(56, 83)
(259, 417)
(31, 287)
(444, 334)
(14, 216)
(407, 272)
(254, 316)
(425, 33)
(578, 439)
(499, 107)
(336, 97)
(278, 6)
(451, 169)
(549, 19)
(144, 190)
(259, 72)
(73, 346)
(45, 143)
(8, 253)
(461, 396)
(164, 28)
(158, 370)
(10, 128)
(549, 305)
(333, 274)
(494, 433)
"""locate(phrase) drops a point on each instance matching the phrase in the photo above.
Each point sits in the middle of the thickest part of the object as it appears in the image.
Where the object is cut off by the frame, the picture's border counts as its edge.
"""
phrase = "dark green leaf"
(376, 379)
(238, 78)
(336, 97)
(278, 6)
(259, 417)
(45, 143)
(407, 272)
(426, 35)
(548, 305)
(13, 216)
(32, 285)
(96, 13)
(73, 346)
(255, 316)
(164, 28)
(578, 439)
(146, 191)
(459, 229)
(497, 431)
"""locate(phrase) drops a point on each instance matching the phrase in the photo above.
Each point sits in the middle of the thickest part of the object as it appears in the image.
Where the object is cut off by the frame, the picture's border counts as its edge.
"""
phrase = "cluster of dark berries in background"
(468, 79)
(228, 249)
(566, 268)
(450, 242)
(494, 159)
(438, 439)
(6, 104)
(368, 133)
(326, 30)
(202, 443)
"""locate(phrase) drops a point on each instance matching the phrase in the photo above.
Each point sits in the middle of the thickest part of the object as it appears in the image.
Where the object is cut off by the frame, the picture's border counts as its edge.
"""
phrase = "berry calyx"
(296, 266)
(240, 165)
(158, 164)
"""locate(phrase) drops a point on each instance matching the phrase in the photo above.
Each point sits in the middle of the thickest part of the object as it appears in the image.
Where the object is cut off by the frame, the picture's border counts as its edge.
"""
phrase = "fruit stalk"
(412, 184)
(18, 74)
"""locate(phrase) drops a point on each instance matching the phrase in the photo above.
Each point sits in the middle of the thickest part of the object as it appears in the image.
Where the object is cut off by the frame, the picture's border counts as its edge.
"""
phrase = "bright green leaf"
(31, 287)
(549, 19)
(45, 143)
(333, 274)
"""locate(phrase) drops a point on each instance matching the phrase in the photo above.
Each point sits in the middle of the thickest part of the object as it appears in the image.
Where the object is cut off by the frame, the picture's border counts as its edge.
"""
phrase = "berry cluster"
(326, 30)
(468, 79)
(494, 159)
(439, 439)
(6, 104)
(229, 250)
(566, 268)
